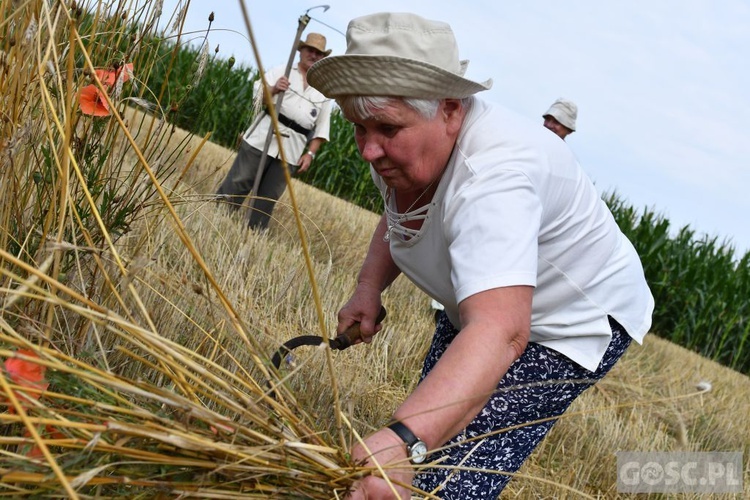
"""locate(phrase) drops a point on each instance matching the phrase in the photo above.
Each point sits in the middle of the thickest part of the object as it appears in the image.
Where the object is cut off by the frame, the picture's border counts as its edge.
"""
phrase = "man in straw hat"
(561, 117)
(304, 120)
(492, 217)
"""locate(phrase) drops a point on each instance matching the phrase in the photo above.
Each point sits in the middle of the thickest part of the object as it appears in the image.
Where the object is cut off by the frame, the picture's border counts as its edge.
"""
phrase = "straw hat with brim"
(315, 41)
(396, 54)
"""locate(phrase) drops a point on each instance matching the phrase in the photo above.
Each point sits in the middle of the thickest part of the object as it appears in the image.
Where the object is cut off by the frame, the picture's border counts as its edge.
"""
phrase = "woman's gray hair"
(364, 107)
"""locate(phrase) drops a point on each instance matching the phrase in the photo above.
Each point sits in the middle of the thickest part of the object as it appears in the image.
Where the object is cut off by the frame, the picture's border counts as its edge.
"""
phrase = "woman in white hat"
(491, 216)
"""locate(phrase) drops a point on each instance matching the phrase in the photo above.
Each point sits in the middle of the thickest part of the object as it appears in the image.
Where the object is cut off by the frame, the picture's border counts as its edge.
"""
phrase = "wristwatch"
(312, 155)
(416, 449)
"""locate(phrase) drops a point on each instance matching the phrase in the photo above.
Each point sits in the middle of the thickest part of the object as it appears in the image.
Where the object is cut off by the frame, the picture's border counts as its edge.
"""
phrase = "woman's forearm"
(460, 384)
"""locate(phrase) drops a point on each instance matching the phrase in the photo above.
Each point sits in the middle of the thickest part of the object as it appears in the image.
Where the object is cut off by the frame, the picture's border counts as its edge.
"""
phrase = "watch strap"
(416, 449)
(406, 435)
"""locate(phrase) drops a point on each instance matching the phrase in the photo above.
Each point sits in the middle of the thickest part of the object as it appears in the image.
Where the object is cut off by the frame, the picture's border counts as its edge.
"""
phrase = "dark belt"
(285, 120)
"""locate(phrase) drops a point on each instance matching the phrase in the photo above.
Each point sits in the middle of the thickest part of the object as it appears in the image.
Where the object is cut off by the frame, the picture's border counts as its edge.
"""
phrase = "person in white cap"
(304, 121)
(561, 117)
(491, 216)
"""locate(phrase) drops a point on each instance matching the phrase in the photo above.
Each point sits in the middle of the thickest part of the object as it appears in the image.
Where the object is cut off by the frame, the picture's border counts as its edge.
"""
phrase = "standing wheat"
(30, 33)
(178, 19)
(203, 59)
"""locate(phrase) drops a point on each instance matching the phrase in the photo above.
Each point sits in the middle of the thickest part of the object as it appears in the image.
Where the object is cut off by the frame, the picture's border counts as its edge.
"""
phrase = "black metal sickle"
(341, 342)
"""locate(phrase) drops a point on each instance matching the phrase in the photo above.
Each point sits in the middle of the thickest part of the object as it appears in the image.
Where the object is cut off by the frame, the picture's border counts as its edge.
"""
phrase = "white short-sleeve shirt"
(306, 106)
(515, 208)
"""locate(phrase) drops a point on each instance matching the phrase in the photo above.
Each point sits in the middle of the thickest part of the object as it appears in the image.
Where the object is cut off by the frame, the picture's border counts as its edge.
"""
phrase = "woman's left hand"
(389, 451)
(304, 162)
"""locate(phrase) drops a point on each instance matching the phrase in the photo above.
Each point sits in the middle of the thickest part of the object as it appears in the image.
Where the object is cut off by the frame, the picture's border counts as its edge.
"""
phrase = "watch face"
(418, 452)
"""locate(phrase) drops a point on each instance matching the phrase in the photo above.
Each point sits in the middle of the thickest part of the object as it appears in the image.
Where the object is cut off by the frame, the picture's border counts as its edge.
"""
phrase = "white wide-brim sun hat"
(396, 54)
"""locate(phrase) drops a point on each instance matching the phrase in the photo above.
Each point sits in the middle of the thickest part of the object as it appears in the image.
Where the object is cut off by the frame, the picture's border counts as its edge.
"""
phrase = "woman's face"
(405, 149)
(561, 130)
(309, 56)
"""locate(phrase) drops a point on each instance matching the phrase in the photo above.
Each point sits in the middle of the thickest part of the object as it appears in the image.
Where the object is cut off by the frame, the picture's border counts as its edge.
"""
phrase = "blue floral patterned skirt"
(540, 385)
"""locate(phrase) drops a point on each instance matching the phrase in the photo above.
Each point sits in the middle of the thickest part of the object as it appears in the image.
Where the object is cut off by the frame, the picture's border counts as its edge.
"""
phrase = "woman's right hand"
(281, 85)
(363, 308)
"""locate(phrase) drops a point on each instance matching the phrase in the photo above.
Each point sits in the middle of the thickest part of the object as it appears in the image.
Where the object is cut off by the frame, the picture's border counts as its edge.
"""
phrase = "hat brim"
(378, 75)
(303, 44)
(561, 119)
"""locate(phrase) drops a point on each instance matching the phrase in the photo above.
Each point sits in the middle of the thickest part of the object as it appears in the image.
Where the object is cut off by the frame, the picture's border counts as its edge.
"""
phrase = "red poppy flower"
(26, 374)
(108, 77)
(92, 101)
(29, 374)
(47, 432)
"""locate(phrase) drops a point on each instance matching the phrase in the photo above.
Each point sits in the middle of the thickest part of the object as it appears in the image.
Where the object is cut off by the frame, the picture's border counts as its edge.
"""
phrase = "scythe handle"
(341, 342)
(352, 334)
